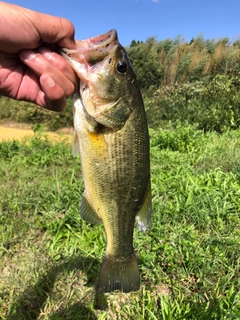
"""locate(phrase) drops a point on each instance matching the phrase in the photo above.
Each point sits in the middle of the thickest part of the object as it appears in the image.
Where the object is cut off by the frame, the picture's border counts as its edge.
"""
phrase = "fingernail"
(28, 54)
(49, 81)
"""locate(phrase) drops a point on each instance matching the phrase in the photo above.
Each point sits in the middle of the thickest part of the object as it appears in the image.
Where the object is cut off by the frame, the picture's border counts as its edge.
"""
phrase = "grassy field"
(188, 258)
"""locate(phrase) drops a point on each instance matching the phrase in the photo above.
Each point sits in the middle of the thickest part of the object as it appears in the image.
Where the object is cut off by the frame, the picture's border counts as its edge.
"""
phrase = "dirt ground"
(14, 131)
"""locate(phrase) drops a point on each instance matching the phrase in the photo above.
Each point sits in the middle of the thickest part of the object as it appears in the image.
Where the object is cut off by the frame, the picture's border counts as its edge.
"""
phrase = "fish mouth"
(103, 41)
(93, 50)
(89, 61)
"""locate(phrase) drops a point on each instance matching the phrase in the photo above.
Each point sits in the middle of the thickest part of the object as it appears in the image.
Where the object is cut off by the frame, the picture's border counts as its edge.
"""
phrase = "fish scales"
(119, 178)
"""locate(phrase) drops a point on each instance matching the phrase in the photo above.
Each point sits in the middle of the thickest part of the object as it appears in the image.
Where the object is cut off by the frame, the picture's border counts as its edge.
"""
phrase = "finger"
(16, 80)
(40, 65)
(51, 96)
(42, 91)
(60, 63)
(59, 30)
(22, 83)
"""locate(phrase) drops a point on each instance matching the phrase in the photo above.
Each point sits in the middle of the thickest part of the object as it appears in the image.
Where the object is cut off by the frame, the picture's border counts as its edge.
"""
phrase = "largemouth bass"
(112, 136)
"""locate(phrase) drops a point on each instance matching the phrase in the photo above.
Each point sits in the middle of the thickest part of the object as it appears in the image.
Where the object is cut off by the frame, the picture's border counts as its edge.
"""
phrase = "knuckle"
(69, 26)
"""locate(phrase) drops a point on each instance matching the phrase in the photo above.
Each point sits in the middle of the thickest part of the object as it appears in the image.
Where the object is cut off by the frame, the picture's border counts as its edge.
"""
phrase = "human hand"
(30, 67)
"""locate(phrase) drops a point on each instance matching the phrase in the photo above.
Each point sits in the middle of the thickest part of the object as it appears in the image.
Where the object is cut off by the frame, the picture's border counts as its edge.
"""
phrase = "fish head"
(107, 81)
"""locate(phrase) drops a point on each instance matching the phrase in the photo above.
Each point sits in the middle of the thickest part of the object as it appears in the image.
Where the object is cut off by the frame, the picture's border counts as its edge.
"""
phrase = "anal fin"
(143, 215)
(88, 213)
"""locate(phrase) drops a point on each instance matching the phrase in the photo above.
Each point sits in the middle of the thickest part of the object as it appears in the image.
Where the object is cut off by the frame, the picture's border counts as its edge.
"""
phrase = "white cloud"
(155, 0)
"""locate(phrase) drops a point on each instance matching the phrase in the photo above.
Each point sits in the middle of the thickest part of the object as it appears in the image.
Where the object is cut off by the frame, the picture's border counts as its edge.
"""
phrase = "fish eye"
(122, 66)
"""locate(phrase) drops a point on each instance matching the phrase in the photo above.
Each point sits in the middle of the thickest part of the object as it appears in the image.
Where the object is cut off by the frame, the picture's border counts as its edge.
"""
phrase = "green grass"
(188, 258)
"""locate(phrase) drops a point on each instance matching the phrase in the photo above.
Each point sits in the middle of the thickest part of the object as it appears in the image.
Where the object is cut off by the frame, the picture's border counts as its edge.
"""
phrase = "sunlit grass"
(188, 258)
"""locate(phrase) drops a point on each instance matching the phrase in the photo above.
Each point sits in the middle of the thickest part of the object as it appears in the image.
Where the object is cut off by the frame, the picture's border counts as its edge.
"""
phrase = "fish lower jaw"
(78, 63)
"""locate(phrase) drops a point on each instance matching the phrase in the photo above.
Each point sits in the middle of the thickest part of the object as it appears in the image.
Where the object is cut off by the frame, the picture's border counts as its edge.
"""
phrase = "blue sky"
(141, 19)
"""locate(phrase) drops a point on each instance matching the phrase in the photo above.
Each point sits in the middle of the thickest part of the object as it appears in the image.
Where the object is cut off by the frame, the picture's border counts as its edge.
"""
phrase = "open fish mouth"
(103, 41)
(93, 49)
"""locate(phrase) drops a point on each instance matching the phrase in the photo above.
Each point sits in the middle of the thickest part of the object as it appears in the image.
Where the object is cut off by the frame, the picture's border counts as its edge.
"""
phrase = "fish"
(111, 135)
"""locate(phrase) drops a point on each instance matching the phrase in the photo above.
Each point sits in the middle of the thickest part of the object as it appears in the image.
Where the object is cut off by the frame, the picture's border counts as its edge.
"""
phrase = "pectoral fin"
(88, 213)
(143, 215)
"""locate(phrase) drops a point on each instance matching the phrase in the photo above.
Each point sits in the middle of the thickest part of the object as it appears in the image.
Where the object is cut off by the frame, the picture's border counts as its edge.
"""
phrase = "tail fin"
(119, 274)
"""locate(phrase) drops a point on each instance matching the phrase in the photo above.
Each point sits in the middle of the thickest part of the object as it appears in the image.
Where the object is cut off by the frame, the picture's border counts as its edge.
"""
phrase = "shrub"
(211, 106)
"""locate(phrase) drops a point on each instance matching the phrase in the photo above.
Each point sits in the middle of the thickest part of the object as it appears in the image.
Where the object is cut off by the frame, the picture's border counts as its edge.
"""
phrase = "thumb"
(58, 30)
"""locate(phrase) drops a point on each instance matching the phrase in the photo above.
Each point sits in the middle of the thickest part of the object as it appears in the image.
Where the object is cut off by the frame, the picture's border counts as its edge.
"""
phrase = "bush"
(210, 106)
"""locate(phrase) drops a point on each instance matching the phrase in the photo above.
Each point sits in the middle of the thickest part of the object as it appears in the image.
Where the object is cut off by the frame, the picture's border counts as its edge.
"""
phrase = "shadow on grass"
(77, 312)
(32, 301)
